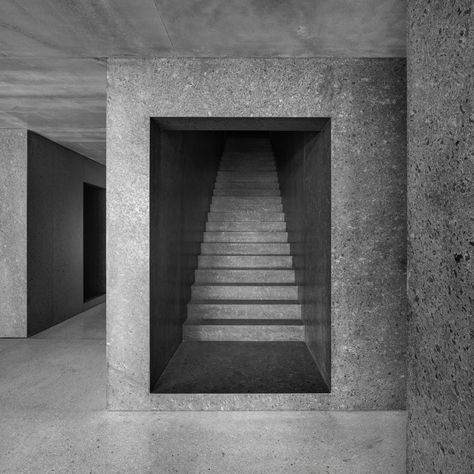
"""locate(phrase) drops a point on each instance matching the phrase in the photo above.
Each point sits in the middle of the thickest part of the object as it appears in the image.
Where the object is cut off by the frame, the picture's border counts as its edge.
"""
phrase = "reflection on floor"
(53, 419)
(241, 367)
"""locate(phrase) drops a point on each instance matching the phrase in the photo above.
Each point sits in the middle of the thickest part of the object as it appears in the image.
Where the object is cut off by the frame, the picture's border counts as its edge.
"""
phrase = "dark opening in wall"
(240, 255)
(94, 241)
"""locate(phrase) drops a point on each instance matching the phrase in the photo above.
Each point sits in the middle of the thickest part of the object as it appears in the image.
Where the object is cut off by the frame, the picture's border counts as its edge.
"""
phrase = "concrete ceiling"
(52, 79)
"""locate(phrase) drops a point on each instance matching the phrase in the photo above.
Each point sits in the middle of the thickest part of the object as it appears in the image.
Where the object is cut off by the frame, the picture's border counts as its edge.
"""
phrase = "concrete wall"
(56, 178)
(440, 233)
(183, 167)
(13, 174)
(304, 168)
(365, 100)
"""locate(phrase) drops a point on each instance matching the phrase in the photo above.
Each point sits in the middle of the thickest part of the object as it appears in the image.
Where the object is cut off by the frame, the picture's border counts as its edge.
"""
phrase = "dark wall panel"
(55, 230)
(94, 241)
(317, 245)
(304, 166)
(183, 170)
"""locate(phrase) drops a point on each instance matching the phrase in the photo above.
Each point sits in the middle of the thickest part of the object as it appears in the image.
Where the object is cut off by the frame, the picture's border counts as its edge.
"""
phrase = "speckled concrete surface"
(365, 99)
(441, 236)
(53, 419)
(13, 174)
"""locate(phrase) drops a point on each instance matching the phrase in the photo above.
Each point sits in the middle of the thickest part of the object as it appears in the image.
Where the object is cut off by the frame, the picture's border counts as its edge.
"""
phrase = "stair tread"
(269, 255)
(244, 284)
(244, 322)
(242, 302)
(286, 269)
(241, 222)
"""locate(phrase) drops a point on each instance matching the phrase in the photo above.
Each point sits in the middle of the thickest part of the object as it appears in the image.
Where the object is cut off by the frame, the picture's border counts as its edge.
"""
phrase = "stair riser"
(245, 237)
(246, 164)
(246, 226)
(208, 292)
(252, 172)
(245, 276)
(229, 159)
(245, 185)
(197, 311)
(243, 261)
(213, 248)
(243, 333)
(260, 168)
(245, 200)
(255, 174)
(248, 167)
(246, 216)
(246, 207)
(253, 183)
(246, 193)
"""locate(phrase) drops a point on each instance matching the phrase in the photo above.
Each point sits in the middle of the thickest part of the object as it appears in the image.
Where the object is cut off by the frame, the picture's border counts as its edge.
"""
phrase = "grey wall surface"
(55, 230)
(304, 168)
(183, 168)
(13, 174)
(365, 99)
(441, 236)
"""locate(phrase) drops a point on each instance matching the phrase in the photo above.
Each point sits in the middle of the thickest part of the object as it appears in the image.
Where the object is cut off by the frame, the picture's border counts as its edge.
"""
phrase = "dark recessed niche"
(184, 158)
(94, 241)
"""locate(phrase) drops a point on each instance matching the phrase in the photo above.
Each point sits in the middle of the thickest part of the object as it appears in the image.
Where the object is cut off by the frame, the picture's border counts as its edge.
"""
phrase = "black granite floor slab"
(241, 367)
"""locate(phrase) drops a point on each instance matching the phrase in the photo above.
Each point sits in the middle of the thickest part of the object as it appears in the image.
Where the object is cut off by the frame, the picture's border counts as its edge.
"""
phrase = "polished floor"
(53, 419)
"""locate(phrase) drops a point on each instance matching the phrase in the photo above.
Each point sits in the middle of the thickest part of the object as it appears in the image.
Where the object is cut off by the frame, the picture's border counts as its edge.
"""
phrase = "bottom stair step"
(241, 367)
(243, 330)
(243, 310)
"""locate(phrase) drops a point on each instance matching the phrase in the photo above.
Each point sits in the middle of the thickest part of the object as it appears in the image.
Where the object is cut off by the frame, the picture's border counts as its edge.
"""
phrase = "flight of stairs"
(244, 286)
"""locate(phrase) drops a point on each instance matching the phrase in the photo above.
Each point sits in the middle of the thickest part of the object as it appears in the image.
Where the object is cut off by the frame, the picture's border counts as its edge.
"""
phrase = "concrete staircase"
(244, 286)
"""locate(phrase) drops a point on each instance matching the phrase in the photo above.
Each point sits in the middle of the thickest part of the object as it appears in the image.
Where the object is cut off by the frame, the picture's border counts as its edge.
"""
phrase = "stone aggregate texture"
(366, 100)
(440, 235)
(13, 179)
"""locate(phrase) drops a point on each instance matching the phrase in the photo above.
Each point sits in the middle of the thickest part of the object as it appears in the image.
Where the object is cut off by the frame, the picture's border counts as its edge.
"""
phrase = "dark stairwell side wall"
(183, 168)
(304, 169)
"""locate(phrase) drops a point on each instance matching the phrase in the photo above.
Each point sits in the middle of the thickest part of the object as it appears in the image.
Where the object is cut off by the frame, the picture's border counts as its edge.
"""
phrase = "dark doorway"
(240, 234)
(94, 241)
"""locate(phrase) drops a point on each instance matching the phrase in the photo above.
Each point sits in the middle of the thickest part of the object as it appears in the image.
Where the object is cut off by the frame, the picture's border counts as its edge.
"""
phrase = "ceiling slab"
(347, 28)
(53, 82)
(81, 28)
(63, 99)
(91, 28)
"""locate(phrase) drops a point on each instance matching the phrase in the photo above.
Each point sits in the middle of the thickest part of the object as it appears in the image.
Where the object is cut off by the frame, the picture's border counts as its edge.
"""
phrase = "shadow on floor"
(241, 367)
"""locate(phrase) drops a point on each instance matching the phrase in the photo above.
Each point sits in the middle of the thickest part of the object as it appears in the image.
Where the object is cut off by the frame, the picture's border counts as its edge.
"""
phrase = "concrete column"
(440, 235)
(13, 181)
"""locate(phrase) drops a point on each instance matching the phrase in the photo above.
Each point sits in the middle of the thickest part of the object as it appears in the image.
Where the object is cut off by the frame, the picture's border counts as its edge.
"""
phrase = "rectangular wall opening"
(240, 255)
(94, 241)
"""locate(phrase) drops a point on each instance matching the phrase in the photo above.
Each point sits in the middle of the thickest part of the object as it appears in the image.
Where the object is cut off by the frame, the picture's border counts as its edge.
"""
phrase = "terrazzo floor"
(53, 419)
